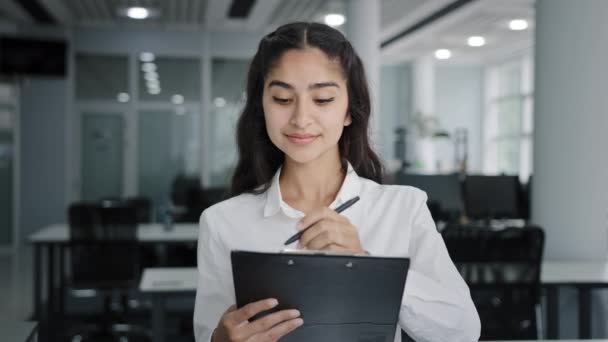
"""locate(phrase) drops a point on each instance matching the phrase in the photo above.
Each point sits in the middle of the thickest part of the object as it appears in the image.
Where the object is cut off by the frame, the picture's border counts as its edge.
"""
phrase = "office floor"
(16, 285)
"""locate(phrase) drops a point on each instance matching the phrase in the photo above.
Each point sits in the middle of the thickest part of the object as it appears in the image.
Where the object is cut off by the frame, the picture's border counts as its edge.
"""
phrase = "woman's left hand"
(330, 231)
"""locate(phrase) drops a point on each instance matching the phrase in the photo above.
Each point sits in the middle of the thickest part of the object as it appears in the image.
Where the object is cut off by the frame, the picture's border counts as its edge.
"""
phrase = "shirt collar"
(351, 187)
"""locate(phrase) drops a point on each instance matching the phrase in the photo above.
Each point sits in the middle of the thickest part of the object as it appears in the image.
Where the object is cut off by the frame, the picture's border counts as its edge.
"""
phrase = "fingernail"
(295, 313)
(274, 302)
(299, 322)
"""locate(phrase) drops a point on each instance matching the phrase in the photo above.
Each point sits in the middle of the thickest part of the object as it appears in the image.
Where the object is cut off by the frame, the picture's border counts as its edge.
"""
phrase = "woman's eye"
(280, 100)
(324, 101)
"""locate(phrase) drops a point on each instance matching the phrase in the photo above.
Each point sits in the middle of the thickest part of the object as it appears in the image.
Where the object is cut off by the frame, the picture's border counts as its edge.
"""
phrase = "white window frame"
(524, 135)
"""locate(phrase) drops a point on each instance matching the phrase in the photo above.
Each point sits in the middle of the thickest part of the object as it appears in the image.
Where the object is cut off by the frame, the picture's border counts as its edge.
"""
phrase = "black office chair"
(143, 206)
(104, 256)
(502, 269)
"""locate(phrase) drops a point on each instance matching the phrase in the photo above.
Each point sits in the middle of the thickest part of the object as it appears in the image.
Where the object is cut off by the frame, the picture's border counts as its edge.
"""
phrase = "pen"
(339, 209)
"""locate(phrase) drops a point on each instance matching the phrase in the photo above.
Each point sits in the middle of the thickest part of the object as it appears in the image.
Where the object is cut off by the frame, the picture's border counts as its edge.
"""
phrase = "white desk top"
(575, 272)
(174, 279)
(14, 331)
(151, 232)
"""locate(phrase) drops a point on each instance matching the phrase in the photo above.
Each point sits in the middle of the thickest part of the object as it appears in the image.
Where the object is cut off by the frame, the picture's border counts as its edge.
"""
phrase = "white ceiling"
(480, 17)
(487, 18)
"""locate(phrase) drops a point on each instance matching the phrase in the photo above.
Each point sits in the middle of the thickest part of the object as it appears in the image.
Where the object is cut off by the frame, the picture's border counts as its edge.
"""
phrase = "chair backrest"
(143, 206)
(103, 245)
(502, 269)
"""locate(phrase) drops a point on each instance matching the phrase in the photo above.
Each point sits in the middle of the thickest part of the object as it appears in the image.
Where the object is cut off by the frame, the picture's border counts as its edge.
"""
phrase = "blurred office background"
(496, 108)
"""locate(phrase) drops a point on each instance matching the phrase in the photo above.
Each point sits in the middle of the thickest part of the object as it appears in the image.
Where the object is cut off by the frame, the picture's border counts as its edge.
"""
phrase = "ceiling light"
(123, 97)
(154, 91)
(138, 12)
(219, 102)
(334, 19)
(443, 54)
(148, 67)
(177, 99)
(146, 57)
(151, 76)
(518, 24)
(153, 84)
(476, 41)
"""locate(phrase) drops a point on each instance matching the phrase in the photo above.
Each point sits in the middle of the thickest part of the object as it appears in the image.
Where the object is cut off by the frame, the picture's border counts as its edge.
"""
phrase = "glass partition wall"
(139, 123)
(136, 129)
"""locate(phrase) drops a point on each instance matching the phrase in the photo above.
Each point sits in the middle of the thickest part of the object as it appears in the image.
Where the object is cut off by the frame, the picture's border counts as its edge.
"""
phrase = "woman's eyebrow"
(280, 84)
(310, 87)
(323, 85)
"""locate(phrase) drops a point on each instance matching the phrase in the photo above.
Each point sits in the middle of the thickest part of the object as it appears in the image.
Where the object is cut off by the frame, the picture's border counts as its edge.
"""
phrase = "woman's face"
(305, 104)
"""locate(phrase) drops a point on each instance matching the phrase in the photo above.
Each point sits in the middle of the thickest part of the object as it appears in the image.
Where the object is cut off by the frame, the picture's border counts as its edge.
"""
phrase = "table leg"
(552, 312)
(158, 318)
(584, 312)
(37, 283)
(61, 288)
(50, 294)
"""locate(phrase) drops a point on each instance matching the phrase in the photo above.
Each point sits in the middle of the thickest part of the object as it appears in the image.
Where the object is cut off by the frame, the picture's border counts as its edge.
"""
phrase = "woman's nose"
(301, 116)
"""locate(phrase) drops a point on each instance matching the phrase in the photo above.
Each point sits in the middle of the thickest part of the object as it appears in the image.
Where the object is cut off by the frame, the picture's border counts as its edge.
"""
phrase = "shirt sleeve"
(213, 296)
(436, 304)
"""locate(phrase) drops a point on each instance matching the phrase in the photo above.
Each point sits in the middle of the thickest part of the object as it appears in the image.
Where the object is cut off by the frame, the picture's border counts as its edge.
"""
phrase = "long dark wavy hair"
(259, 158)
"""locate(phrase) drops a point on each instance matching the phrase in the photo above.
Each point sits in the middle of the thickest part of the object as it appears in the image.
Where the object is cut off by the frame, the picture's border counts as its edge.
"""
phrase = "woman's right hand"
(234, 326)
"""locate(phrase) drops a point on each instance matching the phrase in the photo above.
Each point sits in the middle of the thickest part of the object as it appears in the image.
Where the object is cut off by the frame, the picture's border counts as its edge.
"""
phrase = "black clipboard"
(340, 297)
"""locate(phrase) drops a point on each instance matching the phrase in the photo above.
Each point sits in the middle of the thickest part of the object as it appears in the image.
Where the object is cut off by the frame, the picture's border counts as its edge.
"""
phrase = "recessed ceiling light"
(518, 24)
(476, 41)
(146, 57)
(219, 102)
(138, 12)
(177, 99)
(154, 91)
(123, 97)
(443, 54)
(148, 67)
(151, 76)
(153, 84)
(334, 19)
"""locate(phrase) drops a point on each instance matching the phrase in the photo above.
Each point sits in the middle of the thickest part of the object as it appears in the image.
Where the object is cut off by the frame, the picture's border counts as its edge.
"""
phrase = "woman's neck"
(308, 186)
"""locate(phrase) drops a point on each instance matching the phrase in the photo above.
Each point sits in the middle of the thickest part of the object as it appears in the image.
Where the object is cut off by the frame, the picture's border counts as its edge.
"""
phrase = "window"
(508, 119)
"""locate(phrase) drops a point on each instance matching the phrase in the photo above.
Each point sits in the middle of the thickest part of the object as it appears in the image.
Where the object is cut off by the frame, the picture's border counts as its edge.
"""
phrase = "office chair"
(197, 199)
(104, 256)
(143, 206)
(502, 269)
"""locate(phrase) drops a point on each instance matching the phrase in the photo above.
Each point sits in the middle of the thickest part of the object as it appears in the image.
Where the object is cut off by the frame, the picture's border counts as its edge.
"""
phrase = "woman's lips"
(301, 139)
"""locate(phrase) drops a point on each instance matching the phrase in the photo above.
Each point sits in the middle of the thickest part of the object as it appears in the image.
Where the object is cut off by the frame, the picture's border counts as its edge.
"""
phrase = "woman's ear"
(348, 120)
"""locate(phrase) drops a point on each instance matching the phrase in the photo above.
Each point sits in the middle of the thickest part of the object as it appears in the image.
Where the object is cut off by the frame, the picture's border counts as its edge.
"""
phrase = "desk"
(584, 276)
(160, 283)
(56, 237)
(19, 331)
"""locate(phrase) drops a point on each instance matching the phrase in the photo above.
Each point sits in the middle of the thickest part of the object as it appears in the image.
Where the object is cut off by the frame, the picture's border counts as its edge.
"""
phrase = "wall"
(43, 153)
(570, 187)
(459, 104)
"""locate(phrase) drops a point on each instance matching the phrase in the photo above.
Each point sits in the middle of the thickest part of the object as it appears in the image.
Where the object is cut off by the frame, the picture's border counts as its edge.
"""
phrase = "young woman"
(303, 149)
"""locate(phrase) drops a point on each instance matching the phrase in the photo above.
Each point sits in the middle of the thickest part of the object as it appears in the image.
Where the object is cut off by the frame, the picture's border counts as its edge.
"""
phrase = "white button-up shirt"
(392, 220)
